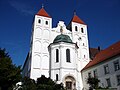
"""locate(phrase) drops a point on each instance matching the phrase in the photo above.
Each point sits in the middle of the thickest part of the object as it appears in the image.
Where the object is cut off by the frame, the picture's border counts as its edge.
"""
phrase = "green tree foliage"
(10, 74)
(93, 82)
(28, 84)
(42, 83)
(44, 80)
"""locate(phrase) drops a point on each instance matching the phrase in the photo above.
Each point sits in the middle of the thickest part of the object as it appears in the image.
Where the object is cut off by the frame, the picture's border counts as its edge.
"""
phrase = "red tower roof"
(42, 12)
(77, 19)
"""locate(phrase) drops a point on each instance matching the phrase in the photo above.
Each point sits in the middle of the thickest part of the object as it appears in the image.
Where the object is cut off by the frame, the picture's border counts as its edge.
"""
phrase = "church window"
(46, 22)
(39, 21)
(67, 55)
(76, 29)
(82, 30)
(56, 77)
(57, 55)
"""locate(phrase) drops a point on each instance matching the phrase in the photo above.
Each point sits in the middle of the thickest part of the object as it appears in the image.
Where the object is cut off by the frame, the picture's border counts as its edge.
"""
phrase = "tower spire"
(42, 5)
(74, 12)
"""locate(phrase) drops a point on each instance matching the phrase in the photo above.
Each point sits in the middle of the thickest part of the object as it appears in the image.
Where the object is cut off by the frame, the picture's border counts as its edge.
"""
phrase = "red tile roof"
(77, 19)
(104, 55)
(42, 12)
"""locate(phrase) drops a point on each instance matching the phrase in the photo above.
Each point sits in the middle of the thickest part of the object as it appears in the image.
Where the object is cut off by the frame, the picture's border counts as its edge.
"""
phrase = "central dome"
(62, 38)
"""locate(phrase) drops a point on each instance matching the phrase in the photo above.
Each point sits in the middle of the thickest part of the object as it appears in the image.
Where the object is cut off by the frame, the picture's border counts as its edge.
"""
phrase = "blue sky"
(16, 17)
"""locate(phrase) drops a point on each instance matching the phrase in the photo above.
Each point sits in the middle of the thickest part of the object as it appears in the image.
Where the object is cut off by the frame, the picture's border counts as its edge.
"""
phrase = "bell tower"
(80, 37)
(39, 43)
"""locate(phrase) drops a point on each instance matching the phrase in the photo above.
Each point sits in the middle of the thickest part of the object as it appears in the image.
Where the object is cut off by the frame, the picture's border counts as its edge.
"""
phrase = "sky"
(16, 17)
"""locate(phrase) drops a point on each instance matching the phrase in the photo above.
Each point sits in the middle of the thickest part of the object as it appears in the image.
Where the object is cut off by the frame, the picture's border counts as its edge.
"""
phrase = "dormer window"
(46, 22)
(76, 29)
(82, 30)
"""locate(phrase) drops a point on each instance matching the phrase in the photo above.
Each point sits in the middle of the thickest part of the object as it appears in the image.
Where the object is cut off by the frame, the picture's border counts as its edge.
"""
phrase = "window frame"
(95, 73)
(56, 77)
(57, 55)
(82, 30)
(118, 79)
(106, 69)
(46, 22)
(108, 81)
(89, 74)
(76, 28)
(116, 65)
(39, 21)
(68, 55)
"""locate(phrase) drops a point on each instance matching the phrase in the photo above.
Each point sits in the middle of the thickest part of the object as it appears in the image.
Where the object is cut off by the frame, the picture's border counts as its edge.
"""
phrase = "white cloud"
(22, 7)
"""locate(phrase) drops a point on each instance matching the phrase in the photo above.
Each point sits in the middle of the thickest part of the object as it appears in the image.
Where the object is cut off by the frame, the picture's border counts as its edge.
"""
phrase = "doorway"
(70, 83)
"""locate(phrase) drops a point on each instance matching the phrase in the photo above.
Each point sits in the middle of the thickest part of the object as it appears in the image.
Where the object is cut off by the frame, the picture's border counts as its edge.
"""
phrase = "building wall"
(112, 74)
(39, 52)
(62, 67)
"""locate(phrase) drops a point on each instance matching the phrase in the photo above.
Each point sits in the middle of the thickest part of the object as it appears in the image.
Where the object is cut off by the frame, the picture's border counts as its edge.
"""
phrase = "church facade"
(58, 52)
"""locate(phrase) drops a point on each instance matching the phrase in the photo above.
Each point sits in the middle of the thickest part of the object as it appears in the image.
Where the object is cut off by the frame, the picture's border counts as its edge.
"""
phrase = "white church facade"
(60, 52)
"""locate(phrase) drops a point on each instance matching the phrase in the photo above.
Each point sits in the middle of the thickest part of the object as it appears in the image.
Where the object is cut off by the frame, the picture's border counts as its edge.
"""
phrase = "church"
(57, 52)
(63, 54)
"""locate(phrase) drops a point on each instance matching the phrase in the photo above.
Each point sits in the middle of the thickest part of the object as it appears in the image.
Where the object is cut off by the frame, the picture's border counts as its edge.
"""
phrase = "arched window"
(76, 29)
(56, 77)
(39, 21)
(83, 44)
(67, 55)
(82, 30)
(57, 55)
(46, 22)
(84, 56)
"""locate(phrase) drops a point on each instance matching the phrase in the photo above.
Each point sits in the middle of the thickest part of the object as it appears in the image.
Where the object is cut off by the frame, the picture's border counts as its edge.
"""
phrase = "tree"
(44, 83)
(93, 82)
(10, 74)
(28, 84)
